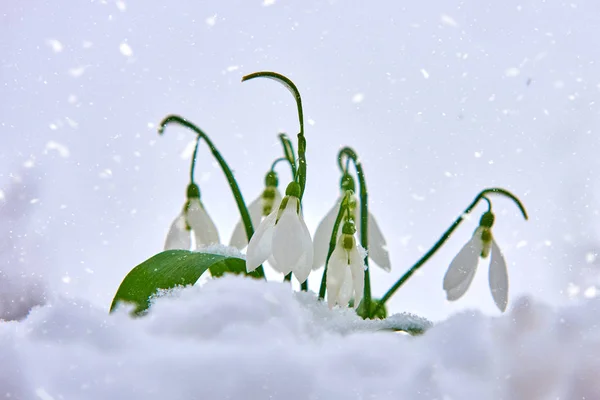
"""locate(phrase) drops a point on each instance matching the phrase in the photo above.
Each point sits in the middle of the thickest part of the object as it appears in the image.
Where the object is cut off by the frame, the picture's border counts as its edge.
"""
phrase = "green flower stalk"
(366, 225)
(275, 227)
(193, 219)
(487, 223)
(237, 194)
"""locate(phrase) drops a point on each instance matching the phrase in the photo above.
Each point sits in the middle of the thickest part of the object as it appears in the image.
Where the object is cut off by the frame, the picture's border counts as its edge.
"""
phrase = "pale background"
(440, 99)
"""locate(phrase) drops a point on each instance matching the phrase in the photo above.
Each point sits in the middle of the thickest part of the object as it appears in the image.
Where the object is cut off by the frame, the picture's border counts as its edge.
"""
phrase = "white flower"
(283, 238)
(268, 201)
(377, 246)
(345, 273)
(462, 269)
(192, 220)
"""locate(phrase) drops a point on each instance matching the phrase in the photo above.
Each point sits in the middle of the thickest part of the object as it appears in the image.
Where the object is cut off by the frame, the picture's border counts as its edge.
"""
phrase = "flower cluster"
(462, 269)
(192, 221)
(283, 238)
(346, 270)
(344, 242)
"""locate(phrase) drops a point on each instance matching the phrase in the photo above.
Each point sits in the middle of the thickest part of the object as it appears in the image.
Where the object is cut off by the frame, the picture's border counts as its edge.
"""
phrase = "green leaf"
(361, 311)
(167, 270)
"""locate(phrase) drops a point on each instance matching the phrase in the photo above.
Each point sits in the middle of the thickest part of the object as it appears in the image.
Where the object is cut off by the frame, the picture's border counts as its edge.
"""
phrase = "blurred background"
(440, 100)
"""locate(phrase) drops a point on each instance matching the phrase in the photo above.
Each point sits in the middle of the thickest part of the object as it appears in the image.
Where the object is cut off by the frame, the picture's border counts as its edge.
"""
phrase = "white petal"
(259, 248)
(323, 235)
(462, 269)
(238, 238)
(277, 201)
(377, 246)
(178, 237)
(304, 265)
(357, 267)
(498, 278)
(202, 225)
(287, 236)
(336, 272)
(277, 267)
(347, 288)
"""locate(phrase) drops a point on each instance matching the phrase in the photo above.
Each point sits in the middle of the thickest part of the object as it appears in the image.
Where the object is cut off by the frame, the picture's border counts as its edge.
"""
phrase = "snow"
(511, 100)
(235, 338)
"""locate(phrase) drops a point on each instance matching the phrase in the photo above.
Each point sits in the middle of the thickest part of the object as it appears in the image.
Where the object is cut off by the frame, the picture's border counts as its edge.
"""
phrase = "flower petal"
(323, 235)
(498, 278)
(357, 267)
(277, 267)
(202, 225)
(287, 236)
(377, 246)
(462, 269)
(336, 272)
(259, 248)
(238, 238)
(347, 288)
(303, 267)
(178, 237)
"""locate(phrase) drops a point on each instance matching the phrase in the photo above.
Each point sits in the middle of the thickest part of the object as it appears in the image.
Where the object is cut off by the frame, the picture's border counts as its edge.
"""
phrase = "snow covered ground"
(237, 338)
(440, 100)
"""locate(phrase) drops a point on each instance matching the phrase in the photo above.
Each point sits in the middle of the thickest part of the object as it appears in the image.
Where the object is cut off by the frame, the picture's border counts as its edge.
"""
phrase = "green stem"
(193, 166)
(445, 236)
(277, 161)
(301, 173)
(364, 219)
(237, 194)
(288, 150)
(332, 243)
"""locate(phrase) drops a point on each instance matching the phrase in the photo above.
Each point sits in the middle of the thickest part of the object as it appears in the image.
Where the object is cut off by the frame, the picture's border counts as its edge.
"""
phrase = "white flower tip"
(302, 275)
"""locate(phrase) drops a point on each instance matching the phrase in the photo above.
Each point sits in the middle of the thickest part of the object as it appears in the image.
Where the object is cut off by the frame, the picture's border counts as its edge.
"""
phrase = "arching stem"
(364, 218)
(301, 173)
(277, 161)
(445, 236)
(288, 150)
(193, 165)
(237, 194)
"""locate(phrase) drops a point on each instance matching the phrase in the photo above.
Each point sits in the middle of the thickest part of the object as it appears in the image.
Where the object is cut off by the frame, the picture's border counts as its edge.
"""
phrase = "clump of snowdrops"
(272, 230)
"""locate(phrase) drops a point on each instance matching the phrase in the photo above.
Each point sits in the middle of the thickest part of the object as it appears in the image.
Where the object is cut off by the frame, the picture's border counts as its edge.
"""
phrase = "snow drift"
(238, 338)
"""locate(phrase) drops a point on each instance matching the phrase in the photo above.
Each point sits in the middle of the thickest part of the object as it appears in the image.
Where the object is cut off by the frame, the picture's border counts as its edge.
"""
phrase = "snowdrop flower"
(283, 238)
(192, 220)
(346, 270)
(259, 208)
(377, 245)
(462, 269)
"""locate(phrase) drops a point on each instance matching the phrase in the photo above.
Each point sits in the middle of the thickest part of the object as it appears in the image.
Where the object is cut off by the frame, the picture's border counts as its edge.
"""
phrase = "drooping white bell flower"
(377, 245)
(193, 220)
(284, 238)
(268, 201)
(346, 271)
(462, 269)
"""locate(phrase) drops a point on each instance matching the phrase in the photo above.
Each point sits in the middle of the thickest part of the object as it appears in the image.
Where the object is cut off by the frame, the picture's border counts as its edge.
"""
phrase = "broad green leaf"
(167, 270)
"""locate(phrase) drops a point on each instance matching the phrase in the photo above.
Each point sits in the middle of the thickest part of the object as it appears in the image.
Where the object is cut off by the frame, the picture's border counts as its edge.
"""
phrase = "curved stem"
(288, 150)
(489, 203)
(277, 161)
(364, 219)
(193, 166)
(332, 243)
(237, 194)
(445, 236)
(301, 173)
